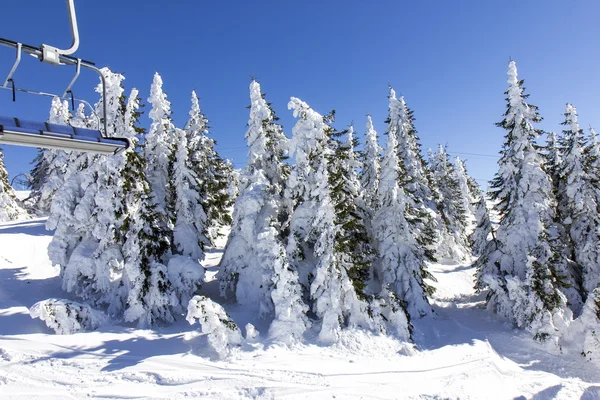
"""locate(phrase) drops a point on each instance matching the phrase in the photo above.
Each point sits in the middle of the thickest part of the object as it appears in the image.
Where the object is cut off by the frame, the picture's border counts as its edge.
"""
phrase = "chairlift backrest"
(41, 134)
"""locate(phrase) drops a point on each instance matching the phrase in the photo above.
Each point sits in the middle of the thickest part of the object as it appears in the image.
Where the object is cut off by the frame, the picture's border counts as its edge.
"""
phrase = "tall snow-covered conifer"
(255, 270)
(401, 267)
(522, 270)
(416, 176)
(578, 203)
(159, 143)
(453, 241)
(371, 165)
(214, 174)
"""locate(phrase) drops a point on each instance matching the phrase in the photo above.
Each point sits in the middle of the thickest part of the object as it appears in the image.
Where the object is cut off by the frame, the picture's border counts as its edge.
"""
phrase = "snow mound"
(66, 317)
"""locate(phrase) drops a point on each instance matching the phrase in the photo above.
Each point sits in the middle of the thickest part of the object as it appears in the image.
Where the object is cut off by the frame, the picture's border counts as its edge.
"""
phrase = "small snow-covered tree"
(66, 317)
(214, 174)
(522, 270)
(10, 209)
(221, 331)
(469, 190)
(401, 268)
(578, 203)
(453, 236)
(483, 228)
(371, 160)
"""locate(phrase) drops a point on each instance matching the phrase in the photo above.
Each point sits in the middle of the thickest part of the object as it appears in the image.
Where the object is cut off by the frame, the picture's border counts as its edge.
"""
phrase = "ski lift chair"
(15, 131)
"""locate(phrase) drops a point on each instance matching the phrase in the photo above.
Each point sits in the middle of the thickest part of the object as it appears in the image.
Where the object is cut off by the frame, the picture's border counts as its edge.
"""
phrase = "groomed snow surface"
(463, 352)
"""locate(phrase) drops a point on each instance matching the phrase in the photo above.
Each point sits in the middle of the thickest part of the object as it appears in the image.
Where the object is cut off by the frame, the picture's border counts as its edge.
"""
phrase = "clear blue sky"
(448, 58)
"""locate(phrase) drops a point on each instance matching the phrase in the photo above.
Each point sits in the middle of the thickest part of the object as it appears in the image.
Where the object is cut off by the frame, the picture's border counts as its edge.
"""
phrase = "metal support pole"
(74, 30)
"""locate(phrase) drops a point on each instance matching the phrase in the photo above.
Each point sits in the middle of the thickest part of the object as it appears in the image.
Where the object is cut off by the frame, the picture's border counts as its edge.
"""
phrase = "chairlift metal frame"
(15, 131)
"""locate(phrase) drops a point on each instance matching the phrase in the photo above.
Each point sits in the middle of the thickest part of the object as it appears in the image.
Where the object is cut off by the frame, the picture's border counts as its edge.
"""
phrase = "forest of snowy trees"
(326, 232)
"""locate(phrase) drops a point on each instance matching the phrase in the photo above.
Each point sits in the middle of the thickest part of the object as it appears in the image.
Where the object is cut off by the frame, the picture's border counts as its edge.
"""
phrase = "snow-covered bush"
(583, 335)
(186, 277)
(222, 333)
(66, 317)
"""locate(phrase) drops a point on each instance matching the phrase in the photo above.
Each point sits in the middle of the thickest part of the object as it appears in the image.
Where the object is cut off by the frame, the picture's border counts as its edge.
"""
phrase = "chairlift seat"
(53, 136)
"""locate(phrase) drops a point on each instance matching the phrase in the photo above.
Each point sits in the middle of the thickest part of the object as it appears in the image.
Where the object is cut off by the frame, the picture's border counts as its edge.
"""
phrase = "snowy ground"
(463, 353)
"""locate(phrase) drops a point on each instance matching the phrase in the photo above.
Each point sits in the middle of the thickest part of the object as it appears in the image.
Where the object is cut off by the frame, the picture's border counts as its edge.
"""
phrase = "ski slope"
(464, 352)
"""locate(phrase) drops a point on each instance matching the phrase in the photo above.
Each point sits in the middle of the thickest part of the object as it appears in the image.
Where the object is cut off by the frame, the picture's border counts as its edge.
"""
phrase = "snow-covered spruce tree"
(578, 203)
(521, 269)
(308, 145)
(469, 189)
(255, 269)
(401, 268)
(483, 227)
(371, 165)
(553, 161)
(84, 229)
(70, 209)
(417, 177)
(10, 209)
(159, 143)
(593, 153)
(112, 248)
(453, 241)
(49, 166)
(214, 173)
(37, 179)
(189, 218)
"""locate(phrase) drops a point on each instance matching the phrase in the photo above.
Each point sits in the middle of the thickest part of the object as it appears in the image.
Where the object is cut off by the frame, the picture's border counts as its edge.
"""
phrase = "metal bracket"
(15, 65)
(77, 71)
(51, 54)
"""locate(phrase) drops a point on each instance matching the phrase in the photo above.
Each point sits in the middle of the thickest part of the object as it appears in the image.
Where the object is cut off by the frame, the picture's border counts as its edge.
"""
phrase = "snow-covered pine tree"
(483, 227)
(188, 216)
(214, 173)
(401, 268)
(37, 179)
(254, 269)
(469, 189)
(521, 269)
(453, 240)
(593, 153)
(82, 244)
(111, 244)
(553, 161)
(10, 209)
(338, 288)
(49, 166)
(578, 203)
(308, 145)
(371, 165)
(417, 175)
(158, 144)
(148, 295)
